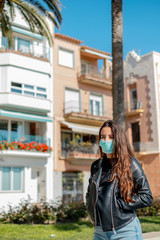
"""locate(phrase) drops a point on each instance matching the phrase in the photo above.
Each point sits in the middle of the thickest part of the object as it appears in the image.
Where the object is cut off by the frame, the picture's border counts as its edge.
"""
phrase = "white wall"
(30, 181)
(85, 184)
(57, 185)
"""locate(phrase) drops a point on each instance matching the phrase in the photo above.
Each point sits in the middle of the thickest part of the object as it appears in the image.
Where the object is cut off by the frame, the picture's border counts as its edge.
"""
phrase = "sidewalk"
(151, 236)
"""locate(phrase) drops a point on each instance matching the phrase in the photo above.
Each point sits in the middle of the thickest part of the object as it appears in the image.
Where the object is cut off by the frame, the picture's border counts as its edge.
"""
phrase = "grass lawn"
(68, 231)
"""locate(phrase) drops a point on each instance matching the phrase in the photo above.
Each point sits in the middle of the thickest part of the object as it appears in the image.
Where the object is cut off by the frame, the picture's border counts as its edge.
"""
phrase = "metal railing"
(25, 138)
(84, 108)
(134, 105)
(94, 72)
(81, 147)
(33, 49)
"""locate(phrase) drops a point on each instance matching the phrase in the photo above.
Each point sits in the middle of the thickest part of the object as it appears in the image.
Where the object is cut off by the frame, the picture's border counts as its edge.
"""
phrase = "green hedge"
(153, 210)
(27, 213)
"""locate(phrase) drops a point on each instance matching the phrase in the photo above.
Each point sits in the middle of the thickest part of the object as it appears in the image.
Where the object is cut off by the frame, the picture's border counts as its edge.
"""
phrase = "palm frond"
(6, 27)
(34, 13)
(9, 4)
(36, 20)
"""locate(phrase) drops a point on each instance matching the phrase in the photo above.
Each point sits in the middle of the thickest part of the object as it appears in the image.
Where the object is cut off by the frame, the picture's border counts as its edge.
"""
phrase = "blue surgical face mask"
(107, 146)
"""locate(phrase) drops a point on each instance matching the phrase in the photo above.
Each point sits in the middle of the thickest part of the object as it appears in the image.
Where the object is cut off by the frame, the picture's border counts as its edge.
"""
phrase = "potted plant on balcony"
(81, 149)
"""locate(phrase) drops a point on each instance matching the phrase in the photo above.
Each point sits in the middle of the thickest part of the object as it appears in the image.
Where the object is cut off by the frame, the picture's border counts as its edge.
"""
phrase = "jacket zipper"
(95, 203)
(113, 229)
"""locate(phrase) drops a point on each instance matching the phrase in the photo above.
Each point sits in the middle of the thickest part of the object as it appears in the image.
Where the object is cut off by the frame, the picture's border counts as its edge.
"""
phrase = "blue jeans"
(131, 231)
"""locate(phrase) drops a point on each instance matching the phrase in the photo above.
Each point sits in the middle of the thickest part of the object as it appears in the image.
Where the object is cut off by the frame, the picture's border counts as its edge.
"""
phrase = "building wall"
(146, 80)
(17, 66)
(151, 165)
(67, 78)
(144, 67)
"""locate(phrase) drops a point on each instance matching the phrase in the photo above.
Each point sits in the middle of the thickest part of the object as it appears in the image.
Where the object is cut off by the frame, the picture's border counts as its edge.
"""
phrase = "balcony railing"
(82, 148)
(25, 138)
(33, 49)
(94, 72)
(84, 108)
(134, 105)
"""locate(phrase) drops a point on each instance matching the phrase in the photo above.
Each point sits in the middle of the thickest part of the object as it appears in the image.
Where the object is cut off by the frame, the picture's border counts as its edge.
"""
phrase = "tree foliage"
(34, 12)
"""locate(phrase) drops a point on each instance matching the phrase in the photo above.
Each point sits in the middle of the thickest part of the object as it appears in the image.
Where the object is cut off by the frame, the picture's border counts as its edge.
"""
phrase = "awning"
(25, 116)
(81, 128)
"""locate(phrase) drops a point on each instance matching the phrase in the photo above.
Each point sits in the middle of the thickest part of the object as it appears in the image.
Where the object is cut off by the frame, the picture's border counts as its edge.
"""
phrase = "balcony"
(80, 153)
(21, 101)
(82, 114)
(134, 109)
(14, 143)
(34, 57)
(14, 136)
(26, 48)
(95, 77)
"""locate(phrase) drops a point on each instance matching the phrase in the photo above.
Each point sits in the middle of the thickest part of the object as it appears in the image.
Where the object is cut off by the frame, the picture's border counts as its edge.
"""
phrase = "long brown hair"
(122, 151)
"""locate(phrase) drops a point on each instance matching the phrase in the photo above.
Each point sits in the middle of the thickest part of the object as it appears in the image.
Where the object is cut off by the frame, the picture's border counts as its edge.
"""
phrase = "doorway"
(136, 136)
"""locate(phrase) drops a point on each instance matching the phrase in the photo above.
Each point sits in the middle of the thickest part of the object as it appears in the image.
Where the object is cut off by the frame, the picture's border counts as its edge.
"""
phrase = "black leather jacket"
(104, 200)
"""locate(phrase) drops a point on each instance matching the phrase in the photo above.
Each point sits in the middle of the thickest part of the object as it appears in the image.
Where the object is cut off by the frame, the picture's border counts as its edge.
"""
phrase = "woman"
(117, 187)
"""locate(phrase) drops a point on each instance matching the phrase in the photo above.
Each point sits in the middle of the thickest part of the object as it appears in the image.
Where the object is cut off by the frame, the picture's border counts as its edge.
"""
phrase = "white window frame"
(73, 57)
(11, 183)
(35, 92)
(92, 97)
(72, 106)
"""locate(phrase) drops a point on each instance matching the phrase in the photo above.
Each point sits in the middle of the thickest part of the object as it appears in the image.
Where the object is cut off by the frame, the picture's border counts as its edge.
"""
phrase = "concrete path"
(151, 236)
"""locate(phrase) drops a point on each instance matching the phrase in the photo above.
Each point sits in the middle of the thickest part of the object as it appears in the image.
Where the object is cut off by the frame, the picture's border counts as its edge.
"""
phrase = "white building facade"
(26, 118)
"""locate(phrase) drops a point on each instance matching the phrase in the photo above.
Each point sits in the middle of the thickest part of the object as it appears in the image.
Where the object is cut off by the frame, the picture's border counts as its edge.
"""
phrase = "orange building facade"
(82, 102)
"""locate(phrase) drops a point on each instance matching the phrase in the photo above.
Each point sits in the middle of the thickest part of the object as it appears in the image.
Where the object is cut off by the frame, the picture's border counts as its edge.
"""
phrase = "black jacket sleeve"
(88, 189)
(143, 196)
(90, 179)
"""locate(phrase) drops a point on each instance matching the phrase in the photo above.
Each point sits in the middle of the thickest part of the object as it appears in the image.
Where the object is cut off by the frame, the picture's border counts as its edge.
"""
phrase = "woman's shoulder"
(135, 164)
(96, 164)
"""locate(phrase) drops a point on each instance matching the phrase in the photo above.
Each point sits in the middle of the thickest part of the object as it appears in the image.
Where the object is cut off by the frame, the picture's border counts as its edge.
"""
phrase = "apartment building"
(82, 102)
(26, 117)
(142, 111)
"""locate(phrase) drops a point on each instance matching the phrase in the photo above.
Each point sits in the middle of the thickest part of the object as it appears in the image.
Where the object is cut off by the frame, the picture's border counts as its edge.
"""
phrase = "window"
(3, 130)
(28, 86)
(72, 101)
(40, 89)
(66, 137)
(96, 105)
(85, 67)
(29, 93)
(16, 130)
(72, 186)
(11, 179)
(16, 87)
(29, 90)
(66, 58)
(41, 95)
(23, 45)
(4, 42)
(133, 94)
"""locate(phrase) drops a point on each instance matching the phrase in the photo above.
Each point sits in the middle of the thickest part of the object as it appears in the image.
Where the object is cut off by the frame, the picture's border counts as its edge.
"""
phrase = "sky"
(90, 21)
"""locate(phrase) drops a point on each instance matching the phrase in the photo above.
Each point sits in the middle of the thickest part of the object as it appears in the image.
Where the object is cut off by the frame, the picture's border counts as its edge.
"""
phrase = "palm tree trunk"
(117, 68)
(1, 5)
